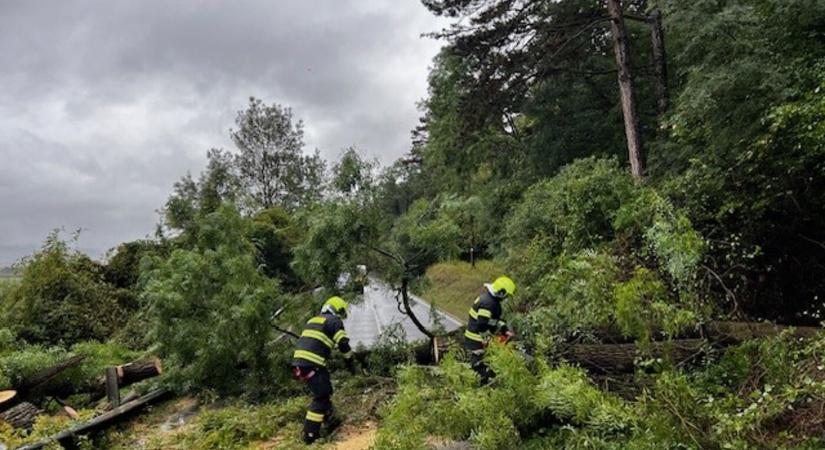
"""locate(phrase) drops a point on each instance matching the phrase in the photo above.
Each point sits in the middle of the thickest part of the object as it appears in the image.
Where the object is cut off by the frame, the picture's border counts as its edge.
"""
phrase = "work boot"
(312, 431)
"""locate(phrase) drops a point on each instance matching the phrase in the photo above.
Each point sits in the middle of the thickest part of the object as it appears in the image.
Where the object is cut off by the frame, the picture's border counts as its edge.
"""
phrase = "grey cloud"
(103, 105)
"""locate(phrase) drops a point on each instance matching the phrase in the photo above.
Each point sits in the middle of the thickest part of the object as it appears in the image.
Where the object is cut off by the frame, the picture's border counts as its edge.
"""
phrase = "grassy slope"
(453, 286)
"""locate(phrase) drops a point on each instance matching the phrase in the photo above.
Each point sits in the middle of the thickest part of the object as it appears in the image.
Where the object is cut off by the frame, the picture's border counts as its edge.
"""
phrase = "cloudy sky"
(104, 104)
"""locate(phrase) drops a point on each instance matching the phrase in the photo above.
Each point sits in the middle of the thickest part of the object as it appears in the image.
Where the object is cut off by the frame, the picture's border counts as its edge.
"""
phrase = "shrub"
(573, 210)
(63, 298)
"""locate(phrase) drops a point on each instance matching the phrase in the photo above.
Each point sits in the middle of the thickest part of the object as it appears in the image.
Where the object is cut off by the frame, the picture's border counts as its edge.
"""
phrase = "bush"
(63, 298)
(574, 210)
(210, 309)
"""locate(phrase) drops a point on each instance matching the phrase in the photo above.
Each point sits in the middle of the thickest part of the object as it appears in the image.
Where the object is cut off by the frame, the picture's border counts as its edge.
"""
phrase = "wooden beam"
(98, 422)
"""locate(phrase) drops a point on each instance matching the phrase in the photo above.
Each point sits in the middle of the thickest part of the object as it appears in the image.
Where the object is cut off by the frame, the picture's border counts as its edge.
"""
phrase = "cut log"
(7, 399)
(21, 416)
(128, 374)
(621, 358)
(99, 422)
(138, 371)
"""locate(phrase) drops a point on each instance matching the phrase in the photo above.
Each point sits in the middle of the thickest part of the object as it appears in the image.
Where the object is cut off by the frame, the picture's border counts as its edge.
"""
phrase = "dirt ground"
(355, 437)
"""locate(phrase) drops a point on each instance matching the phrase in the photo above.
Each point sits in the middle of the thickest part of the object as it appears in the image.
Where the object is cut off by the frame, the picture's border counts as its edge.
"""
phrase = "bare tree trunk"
(659, 61)
(631, 119)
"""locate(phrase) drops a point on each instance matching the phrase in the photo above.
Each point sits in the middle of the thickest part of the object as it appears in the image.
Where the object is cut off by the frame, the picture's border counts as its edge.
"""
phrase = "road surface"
(379, 310)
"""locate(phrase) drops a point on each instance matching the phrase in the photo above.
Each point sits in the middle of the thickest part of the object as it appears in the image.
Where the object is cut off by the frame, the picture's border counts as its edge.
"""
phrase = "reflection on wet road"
(379, 310)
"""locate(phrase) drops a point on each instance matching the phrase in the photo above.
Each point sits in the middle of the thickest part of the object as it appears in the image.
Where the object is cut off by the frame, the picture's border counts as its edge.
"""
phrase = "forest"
(651, 173)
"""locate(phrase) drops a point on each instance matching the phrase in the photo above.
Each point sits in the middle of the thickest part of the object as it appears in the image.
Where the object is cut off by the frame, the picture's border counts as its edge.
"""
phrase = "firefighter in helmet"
(485, 320)
(309, 363)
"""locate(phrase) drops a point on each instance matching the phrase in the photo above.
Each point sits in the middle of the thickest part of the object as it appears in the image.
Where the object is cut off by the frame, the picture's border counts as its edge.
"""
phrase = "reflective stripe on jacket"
(485, 317)
(320, 335)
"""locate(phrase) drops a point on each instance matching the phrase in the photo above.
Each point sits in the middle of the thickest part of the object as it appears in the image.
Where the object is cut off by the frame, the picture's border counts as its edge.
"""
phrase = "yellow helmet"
(338, 306)
(503, 287)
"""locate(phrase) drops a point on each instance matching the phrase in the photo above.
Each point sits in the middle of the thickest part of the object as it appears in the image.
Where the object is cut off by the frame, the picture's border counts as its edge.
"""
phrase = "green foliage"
(667, 234)
(424, 235)
(643, 304)
(63, 297)
(335, 232)
(236, 426)
(210, 309)
(122, 268)
(573, 210)
(743, 155)
(274, 234)
(390, 350)
(19, 361)
(353, 173)
(573, 298)
(519, 405)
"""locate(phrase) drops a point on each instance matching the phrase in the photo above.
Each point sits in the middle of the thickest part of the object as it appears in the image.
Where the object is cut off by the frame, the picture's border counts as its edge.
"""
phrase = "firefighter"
(485, 320)
(309, 363)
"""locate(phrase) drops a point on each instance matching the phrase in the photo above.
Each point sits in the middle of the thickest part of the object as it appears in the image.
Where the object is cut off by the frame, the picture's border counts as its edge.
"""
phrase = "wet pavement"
(379, 310)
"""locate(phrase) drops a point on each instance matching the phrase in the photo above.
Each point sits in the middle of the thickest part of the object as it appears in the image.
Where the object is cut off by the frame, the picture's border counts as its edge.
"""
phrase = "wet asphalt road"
(379, 310)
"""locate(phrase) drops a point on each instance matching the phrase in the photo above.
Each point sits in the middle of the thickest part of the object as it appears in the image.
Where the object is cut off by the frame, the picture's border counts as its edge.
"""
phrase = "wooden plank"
(98, 422)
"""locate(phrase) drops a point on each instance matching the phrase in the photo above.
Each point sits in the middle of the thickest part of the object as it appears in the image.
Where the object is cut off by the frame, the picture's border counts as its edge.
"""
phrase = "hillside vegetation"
(637, 236)
(453, 286)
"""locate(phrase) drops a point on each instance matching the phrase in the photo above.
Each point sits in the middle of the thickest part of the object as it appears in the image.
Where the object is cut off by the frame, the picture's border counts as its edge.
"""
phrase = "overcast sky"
(105, 104)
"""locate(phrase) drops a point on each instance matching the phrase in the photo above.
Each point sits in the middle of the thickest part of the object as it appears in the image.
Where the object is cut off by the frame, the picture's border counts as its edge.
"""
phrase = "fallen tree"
(622, 358)
(42, 377)
(127, 374)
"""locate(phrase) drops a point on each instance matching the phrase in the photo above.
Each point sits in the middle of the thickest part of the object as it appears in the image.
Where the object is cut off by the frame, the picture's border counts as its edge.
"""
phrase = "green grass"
(453, 286)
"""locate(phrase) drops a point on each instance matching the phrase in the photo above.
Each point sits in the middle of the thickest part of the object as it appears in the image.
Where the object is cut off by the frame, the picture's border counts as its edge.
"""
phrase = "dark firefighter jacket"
(485, 317)
(320, 335)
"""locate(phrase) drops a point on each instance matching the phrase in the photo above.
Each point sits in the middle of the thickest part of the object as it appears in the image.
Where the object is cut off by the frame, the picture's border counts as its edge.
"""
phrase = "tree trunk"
(621, 358)
(406, 298)
(659, 61)
(138, 370)
(21, 416)
(128, 374)
(43, 376)
(7, 399)
(631, 119)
